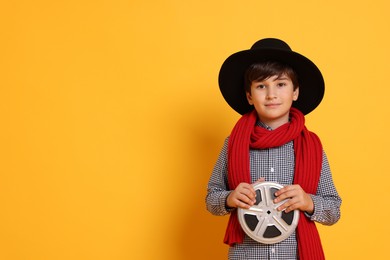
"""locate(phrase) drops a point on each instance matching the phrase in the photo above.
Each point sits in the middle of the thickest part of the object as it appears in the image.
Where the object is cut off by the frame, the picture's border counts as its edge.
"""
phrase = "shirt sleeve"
(326, 201)
(217, 189)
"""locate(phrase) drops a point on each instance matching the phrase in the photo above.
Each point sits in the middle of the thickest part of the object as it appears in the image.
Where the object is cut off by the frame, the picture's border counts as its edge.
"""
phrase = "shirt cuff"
(224, 197)
(317, 208)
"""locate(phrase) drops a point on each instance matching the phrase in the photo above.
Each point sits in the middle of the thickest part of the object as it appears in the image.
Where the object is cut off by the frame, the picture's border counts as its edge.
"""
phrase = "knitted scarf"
(308, 163)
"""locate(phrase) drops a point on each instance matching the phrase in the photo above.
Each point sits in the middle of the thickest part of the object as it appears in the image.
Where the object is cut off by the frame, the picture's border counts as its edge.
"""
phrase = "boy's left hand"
(297, 199)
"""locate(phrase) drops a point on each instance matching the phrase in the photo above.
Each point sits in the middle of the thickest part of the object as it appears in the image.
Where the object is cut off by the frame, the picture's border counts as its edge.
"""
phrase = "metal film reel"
(263, 222)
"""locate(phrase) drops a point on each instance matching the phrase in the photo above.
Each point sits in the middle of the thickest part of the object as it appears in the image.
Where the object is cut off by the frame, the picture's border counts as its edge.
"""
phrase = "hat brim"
(231, 78)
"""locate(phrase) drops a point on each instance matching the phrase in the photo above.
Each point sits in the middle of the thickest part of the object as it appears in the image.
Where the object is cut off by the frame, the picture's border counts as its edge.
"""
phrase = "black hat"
(231, 75)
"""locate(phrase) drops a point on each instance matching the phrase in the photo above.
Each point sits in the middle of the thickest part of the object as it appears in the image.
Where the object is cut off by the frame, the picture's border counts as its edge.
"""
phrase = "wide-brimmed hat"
(231, 75)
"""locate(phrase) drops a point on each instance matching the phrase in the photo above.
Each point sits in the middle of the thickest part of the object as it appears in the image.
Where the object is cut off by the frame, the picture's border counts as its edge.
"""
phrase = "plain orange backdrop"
(111, 121)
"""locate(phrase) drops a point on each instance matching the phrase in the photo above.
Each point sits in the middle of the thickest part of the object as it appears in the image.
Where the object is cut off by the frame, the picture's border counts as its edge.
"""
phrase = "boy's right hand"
(244, 196)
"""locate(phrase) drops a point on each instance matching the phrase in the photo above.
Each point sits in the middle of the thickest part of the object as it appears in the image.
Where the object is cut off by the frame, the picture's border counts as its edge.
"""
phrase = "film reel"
(263, 222)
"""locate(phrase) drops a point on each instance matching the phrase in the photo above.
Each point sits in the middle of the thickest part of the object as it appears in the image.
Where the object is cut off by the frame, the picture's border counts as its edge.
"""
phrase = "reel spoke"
(280, 223)
(255, 209)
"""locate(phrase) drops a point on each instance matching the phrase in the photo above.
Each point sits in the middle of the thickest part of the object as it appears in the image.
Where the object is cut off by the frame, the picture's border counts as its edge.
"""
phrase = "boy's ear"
(249, 98)
(296, 94)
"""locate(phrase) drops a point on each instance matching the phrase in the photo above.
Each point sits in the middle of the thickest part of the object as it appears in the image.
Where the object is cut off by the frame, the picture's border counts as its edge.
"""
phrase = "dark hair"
(263, 70)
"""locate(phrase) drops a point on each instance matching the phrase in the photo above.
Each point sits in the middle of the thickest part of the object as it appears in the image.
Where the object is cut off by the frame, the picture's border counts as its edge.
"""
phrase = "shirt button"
(272, 169)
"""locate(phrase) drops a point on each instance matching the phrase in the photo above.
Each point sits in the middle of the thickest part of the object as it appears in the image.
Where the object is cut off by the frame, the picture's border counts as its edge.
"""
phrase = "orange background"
(111, 122)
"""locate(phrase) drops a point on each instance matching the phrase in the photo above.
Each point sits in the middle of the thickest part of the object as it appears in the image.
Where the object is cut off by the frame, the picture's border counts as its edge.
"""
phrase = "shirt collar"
(261, 124)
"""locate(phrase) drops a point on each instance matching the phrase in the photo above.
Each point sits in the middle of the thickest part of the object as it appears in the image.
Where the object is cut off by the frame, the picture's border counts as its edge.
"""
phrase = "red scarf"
(308, 163)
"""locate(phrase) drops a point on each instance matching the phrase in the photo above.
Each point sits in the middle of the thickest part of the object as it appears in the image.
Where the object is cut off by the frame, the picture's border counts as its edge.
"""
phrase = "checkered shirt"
(275, 165)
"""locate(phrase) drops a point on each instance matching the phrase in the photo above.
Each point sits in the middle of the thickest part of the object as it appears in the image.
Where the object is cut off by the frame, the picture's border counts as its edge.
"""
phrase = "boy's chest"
(274, 164)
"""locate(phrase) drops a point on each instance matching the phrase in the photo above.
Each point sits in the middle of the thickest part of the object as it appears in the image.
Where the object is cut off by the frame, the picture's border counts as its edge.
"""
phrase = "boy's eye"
(260, 86)
(282, 84)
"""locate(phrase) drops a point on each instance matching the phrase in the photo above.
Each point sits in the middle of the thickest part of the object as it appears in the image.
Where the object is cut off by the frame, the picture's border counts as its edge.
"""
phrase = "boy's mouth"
(272, 104)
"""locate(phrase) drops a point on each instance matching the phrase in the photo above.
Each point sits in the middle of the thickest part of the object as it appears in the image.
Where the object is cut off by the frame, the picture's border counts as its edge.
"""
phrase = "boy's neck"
(273, 124)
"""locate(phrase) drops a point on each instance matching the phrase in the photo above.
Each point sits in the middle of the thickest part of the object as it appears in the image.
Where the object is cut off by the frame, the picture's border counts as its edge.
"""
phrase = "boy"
(273, 88)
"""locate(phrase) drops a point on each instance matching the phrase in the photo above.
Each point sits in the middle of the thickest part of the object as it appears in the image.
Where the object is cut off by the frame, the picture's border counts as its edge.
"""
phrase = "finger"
(243, 201)
(243, 205)
(246, 186)
(283, 206)
(288, 206)
(292, 207)
(250, 192)
(285, 195)
(288, 209)
(248, 199)
(285, 189)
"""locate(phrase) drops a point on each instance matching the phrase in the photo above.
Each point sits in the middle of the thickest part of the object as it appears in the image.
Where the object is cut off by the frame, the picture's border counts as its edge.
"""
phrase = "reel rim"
(263, 222)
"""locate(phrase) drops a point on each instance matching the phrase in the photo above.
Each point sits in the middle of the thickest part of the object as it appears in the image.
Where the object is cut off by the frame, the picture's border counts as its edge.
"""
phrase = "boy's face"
(272, 99)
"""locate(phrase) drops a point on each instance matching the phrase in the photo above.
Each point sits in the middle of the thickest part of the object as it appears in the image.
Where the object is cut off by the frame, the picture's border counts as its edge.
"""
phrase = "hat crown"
(271, 43)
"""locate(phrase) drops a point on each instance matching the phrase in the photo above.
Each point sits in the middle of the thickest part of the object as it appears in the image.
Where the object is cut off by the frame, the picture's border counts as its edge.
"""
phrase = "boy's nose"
(270, 94)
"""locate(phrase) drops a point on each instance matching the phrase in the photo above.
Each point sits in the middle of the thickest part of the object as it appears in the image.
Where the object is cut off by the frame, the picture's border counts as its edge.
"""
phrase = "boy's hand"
(244, 196)
(297, 199)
